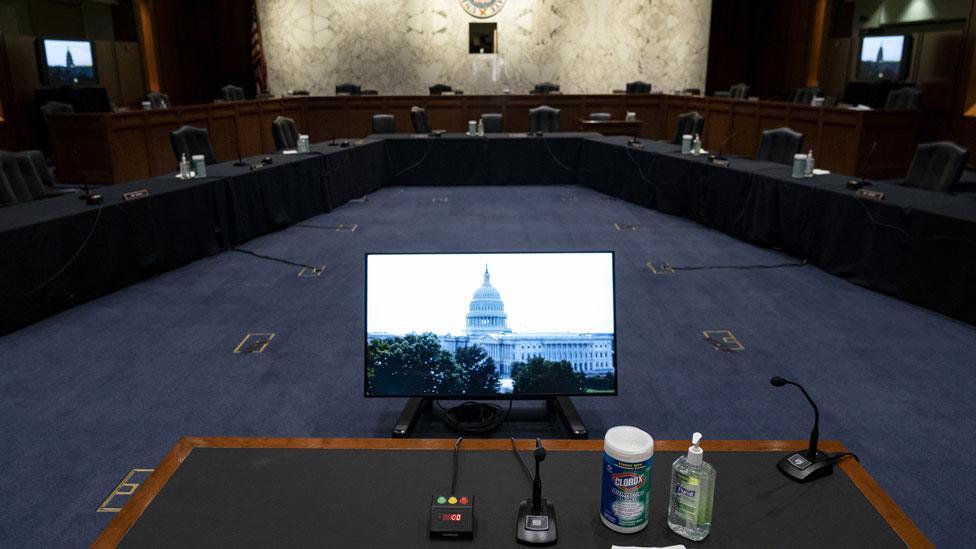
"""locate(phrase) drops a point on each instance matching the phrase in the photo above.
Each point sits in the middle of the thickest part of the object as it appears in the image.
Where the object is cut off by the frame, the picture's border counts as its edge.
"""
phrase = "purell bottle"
(692, 492)
(696, 145)
(184, 167)
(808, 169)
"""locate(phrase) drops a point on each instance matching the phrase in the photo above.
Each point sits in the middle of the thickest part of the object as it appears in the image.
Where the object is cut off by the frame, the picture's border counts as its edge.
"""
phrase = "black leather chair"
(7, 196)
(232, 93)
(545, 87)
(692, 91)
(285, 133)
(159, 100)
(830, 101)
(492, 122)
(297, 92)
(600, 116)
(419, 120)
(739, 91)
(55, 107)
(780, 145)
(351, 89)
(805, 96)
(43, 171)
(190, 141)
(905, 98)
(689, 123)
(544, 118)
(21, 177)
(638, 87)
(936, 166)
(438, 89)
(384, 123)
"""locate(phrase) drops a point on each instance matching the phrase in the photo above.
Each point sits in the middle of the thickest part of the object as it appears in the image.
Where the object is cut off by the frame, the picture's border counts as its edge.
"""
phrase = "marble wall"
(404, 46)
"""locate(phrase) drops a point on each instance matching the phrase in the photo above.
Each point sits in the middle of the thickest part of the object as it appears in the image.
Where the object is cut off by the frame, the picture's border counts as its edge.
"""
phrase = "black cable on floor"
(270, 258)
(740, 267)
(474, 418)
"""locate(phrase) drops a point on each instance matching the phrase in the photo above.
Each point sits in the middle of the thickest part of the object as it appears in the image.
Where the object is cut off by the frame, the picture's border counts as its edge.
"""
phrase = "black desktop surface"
(234, 497)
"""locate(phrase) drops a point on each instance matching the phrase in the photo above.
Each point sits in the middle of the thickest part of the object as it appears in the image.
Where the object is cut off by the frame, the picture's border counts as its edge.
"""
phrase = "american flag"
(257, 52)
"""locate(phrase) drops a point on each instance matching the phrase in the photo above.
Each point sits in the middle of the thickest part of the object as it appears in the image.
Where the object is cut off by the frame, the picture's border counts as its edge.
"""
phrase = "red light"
(451, 517)
(463, 500)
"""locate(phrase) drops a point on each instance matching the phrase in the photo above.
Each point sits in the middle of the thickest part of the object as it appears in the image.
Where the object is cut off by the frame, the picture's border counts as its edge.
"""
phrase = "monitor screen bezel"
(495, 396)
(906, 54)
(44, 67)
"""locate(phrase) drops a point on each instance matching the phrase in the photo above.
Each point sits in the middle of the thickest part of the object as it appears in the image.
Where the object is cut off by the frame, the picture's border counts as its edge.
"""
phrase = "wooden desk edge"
(116, 530)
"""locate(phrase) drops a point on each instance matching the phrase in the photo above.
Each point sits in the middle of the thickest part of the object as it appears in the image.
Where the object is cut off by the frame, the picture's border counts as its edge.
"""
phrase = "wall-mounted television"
(490, 325)
(884, 57)
(66, 62)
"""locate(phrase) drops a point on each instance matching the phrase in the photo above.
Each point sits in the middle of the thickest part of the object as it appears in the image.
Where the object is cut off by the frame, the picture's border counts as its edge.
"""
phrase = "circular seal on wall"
(482, 8)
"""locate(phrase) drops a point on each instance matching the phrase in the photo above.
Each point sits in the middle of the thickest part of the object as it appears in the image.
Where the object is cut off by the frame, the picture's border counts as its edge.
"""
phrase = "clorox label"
(626, 492)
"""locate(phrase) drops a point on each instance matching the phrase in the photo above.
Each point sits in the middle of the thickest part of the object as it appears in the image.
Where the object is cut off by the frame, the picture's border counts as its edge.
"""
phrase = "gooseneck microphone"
(536, 522)
(540, 455)
(240, 159)
(812, 464)
(858, 181)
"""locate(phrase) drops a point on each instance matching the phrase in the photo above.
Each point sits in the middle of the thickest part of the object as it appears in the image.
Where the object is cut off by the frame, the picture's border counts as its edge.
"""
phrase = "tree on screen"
(538, 375)
(479, 370)
(412, 365)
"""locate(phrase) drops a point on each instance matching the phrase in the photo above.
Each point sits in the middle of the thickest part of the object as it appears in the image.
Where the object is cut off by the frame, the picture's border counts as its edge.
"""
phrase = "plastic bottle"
(184, 167)
(809, 168)
(692, 494)
(696, 145)
(625, 499)
(481, 127)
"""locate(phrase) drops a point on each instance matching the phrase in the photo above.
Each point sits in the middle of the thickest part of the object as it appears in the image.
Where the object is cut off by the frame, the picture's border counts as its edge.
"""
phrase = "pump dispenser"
(692, 493)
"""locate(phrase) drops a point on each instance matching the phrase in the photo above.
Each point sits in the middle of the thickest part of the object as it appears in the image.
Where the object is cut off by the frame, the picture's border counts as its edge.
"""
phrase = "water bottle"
(481, 127)
(808, 170)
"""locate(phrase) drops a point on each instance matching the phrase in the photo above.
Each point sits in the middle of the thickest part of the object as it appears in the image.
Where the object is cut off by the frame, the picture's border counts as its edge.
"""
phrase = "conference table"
(916, 245)
(306, 492)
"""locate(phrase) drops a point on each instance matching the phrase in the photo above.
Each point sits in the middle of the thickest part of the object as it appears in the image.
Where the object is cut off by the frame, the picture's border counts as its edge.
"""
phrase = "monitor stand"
(562, 406)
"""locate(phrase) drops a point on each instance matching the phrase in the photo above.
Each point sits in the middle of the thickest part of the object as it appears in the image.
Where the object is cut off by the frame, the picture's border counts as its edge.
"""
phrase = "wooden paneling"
(840, 138)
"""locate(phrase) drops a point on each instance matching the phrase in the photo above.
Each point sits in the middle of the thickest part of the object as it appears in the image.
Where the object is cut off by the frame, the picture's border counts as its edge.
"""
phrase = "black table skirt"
(919, 246)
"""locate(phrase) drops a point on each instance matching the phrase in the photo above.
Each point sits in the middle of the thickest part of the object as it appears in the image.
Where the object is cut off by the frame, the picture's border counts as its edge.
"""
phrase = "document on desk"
(636, 547)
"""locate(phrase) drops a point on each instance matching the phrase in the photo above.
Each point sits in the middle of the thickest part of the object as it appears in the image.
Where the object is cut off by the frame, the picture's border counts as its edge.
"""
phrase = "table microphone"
(811, 464)
(718, 158)
(536, 522)
(240, 159)
(87, 196)
(858, 182)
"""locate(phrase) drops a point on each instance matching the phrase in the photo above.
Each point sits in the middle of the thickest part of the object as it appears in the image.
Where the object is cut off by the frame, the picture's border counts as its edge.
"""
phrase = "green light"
(442, 500)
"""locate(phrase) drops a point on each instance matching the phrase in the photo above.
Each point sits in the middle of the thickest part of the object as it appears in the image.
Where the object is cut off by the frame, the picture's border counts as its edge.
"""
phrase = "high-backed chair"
(297, 92)
(232, 93)
(692, 91)
(689, 123)
(438, 89)
(905, 98)
(190, 141)
(544, 118)
(7, 195)
(638, 87)
(56, 107)
(369, 92)
(545, 87)
(285, 133)
(492, 122)
(830, 101)
(739, 91)
(419, 120)
(43, 171)
(351, 89)
(600, 116)
(936, 166)
(159, 100)
(21, 177)
(780, 145)
(805, 96)
(384, 123)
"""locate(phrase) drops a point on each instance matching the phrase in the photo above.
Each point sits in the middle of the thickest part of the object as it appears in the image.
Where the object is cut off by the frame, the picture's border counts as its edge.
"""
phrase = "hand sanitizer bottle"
(692, 493)
(696, 145)
(481, 127)
(184, 167)
(809, 168)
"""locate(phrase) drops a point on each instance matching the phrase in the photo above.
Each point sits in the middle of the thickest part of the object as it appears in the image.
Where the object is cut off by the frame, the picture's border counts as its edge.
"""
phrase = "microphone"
(813, 464)
(718, 150)
(858, 182)
(87, 196)
(240, 160)
(536, 522)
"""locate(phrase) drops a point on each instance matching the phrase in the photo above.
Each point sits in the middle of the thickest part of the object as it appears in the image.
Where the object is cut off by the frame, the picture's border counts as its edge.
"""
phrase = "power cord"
(902, 231)
(521, 460)
(270, 258)
(741, 267)
(457, 446)
(474, 418)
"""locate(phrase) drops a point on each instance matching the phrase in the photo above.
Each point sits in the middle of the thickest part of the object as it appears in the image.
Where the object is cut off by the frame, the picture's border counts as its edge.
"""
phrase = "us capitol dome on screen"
(486, 325)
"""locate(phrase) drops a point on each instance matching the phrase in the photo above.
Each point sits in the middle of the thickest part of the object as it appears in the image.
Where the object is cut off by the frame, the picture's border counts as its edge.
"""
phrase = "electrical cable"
(474, 418)
(902, 231)
(553, 155)
(270, 258)
(430, 145)
(457, 446)
(521, 460)
(741, 267)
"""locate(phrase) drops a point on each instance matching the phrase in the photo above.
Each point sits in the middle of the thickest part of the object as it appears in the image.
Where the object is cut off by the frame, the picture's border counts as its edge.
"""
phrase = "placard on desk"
(375, 493)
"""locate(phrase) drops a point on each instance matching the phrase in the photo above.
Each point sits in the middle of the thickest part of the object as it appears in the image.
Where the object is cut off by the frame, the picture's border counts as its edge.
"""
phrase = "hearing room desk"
(256, 492)
(125, 146)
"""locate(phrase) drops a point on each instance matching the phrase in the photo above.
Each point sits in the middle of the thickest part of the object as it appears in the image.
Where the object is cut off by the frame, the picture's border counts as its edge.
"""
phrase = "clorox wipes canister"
(627, 456)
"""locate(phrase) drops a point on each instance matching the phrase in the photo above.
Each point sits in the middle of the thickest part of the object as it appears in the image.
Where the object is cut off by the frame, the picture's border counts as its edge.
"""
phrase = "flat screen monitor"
(490, 325)
(66, 62)
(883, 57)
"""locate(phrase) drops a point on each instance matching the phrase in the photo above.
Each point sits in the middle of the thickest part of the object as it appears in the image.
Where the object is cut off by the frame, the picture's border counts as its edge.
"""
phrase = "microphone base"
(800, 468)
(536, 528)
(241, 164)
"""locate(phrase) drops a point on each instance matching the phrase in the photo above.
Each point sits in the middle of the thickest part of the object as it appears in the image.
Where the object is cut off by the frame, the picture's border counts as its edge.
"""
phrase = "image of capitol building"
(486, 325)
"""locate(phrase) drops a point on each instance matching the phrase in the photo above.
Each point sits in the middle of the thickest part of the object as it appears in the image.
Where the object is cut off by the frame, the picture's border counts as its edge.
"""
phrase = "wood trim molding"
(120, 525)
(147, 41)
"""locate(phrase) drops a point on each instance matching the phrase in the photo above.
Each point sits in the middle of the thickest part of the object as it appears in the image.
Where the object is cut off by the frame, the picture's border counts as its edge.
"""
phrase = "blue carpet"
(97, 390)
